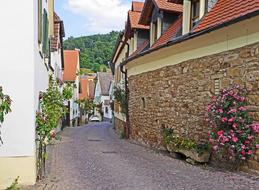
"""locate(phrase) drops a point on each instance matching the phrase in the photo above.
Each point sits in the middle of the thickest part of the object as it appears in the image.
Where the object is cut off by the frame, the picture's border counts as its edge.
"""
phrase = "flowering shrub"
(232, 130)
(52, 110)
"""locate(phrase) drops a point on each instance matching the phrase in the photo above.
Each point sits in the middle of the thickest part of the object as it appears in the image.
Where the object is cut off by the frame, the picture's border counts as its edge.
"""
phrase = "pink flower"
(234, 139)
(257, 146)
(231, 119)
(209, 107)
(232, 111)
(243, 152)
(215, 147)
(255, 127)
(243, 147)
(220, 133)
(243, 158)
(220, 110)
(242, 108)
(224, 119)
(211, 140)
(247, 141)
(234, 125)
(242, 99)
(250, 152)
(250, 137)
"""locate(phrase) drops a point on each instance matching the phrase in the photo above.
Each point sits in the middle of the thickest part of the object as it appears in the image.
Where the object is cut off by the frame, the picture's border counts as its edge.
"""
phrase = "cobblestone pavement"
(94, 158)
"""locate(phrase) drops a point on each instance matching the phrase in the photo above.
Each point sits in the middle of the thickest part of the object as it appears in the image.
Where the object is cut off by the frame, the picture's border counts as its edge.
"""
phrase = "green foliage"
(68, 91)
(52, 110)
(86, 106)
(14, 185)
(95, 50)
(121, 97)
(182, 143)
(5, 103)
(168, 135)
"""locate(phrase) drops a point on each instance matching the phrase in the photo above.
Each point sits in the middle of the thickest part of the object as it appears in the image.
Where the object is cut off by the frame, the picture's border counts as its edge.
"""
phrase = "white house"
(27, 60)
(70, 76)
(102, 96)
(26, 27)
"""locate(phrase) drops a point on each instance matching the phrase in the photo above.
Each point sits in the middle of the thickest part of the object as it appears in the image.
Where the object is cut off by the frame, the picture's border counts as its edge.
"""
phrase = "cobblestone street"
(94, 158)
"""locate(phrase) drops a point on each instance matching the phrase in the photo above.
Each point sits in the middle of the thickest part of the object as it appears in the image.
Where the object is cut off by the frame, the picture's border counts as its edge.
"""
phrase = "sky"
(87, 17)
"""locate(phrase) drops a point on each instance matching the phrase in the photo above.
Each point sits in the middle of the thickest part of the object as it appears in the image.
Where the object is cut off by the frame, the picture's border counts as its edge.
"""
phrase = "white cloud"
(101, 16)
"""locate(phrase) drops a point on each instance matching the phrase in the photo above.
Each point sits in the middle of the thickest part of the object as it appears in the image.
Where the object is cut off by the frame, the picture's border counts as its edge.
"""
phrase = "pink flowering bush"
(232, 131)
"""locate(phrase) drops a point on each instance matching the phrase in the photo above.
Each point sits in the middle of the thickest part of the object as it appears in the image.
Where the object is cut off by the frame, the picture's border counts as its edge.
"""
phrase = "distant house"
(57, 59)
(86, 91)
(102, 96)
(70, 77)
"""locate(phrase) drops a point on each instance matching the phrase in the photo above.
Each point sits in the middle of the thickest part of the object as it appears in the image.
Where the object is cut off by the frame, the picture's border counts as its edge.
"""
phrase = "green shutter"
(40, 21)
(45, 47)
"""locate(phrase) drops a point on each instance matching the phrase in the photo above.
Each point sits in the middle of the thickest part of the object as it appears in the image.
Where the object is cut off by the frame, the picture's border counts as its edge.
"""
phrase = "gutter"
(127, 128)
(191, 35)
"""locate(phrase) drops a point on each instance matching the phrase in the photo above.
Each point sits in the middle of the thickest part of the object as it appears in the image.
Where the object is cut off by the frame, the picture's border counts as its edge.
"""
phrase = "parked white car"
(94, 118)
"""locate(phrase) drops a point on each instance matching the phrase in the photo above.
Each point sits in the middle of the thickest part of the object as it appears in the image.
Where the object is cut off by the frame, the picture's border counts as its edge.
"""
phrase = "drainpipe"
(126, 130)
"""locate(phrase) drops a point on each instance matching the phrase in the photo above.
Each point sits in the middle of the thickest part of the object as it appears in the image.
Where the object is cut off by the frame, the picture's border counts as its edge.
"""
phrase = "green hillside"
(96, 50)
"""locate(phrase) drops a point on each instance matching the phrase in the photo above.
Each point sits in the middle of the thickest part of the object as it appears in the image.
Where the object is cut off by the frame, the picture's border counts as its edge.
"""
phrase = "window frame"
(194, 19)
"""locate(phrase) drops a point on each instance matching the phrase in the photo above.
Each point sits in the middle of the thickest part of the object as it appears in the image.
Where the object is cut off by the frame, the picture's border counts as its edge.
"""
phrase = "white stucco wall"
(23, 75)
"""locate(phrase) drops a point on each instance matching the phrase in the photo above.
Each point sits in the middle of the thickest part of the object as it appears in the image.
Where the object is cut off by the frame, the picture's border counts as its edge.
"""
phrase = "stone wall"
(176, 96)
(119, 126)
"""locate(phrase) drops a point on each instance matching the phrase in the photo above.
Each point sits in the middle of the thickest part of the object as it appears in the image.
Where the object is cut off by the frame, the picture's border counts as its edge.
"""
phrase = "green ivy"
(121, 97)
(5, 103)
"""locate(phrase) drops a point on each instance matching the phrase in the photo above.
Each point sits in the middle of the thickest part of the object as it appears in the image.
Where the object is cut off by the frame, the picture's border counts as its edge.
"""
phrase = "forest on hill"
(95, 50)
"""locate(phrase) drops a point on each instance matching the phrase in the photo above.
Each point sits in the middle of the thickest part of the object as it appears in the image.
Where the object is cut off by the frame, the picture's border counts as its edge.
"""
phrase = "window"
(155, 31)
(143, 100)
(195, 12)
(106, 110)
(80, 88)
(45, 47)
(216, 86)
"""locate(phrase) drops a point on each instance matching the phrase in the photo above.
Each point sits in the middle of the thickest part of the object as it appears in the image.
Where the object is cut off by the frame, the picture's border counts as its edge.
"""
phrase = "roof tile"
(225, 11)
(71, 61)
(170, 33)
(134, 20)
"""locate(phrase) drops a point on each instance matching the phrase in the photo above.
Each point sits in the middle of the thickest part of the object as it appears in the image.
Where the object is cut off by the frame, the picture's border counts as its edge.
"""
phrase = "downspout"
(127, 128)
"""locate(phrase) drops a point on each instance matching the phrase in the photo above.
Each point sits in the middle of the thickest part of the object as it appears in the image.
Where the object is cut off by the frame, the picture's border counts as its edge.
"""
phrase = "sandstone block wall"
(177, 96)
(119, 125)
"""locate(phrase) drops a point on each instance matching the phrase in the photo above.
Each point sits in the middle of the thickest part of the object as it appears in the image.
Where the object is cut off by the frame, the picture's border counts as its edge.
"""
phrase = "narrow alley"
(93, 157)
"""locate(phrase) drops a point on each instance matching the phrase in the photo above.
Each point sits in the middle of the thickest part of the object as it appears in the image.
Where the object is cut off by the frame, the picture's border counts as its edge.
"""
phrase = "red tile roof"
(170, 33)
(87, 87)
(227, 10)
(137, 6)
(84, 95)
(162, 5)
(55, 40)
(134, 21)
(168, 6)
(71, 62)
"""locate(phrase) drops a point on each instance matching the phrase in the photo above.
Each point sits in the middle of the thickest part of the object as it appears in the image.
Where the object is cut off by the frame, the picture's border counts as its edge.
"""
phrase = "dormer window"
(195, 12)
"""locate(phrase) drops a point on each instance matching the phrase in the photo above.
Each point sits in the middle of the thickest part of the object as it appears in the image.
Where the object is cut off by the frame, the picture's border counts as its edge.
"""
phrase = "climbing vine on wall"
(5, 103)
(47, 119)
(121, 97)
